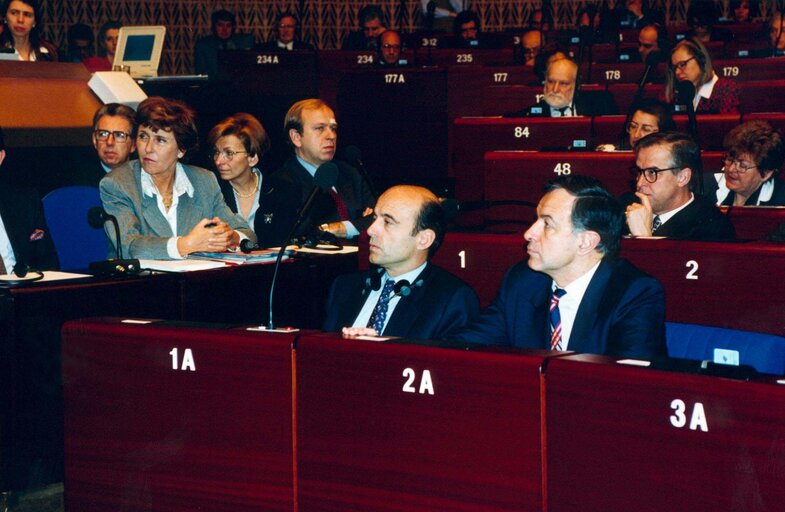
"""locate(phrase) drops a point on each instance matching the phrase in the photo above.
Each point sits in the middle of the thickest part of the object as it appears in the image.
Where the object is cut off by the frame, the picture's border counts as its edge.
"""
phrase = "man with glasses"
(114, 132)
(573, 292)
(667, 171)
(531, 45)
(286, 35)
(390, 50)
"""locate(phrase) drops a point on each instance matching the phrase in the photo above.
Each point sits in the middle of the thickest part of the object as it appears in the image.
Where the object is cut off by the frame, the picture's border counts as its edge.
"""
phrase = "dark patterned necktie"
(379, 314)
(655, 223)
(555, 317)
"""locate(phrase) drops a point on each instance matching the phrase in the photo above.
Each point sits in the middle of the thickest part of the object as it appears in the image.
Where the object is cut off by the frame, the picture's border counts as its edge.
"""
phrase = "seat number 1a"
(187, 362)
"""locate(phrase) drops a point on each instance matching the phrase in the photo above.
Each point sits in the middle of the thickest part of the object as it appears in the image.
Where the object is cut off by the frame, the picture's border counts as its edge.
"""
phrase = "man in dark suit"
(311, 129)
(668, 167)
(24, 235)
(224, 37)
(573, 293)
(286, 38)
(372, 25)
(406, 296)
(561, 99)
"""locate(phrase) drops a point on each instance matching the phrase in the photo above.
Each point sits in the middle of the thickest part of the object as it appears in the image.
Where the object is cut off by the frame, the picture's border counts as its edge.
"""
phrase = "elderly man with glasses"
(667, 171)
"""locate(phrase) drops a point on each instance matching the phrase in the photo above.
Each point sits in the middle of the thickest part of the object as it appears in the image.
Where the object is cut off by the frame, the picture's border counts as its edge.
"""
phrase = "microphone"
(324, 179)
(246, 246)
(685, 92)
(97, 217)
(655, 57)
(354, 156)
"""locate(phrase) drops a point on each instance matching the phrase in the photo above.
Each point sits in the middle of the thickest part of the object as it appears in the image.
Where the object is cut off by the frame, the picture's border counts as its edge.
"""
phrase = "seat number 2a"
(422, 385)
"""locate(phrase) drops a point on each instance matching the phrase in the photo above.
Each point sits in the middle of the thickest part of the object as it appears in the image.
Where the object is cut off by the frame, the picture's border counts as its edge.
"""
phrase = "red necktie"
(343, 213)
(555, 318)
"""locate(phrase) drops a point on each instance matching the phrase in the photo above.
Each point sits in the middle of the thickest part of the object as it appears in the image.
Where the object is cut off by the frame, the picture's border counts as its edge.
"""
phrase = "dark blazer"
(289, 188)
(701, 220)
(710, 186)
(356, 41)
(23, 218)
(622, 313)
(272, 46)
(207, 49)
(588, 103)
(442, 303)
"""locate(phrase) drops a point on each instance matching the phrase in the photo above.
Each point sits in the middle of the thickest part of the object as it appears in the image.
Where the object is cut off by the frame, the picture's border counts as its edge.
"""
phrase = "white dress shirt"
(571, 301)
(6, 251)
(182, 185)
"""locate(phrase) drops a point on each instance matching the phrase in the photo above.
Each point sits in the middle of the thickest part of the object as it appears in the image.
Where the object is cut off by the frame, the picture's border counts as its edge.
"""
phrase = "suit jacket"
(622, 313)
(441, 304)
(207, 49)
(272, 46)
(25, 225)
(588, 103)
(270, 200)
(711, 185)
(289, 188)
(701, 220)
(144, 231)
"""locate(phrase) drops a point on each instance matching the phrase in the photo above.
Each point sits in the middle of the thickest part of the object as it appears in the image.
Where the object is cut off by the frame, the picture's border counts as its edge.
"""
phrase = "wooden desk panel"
(624, 438)
(214, 434)
(372, 437)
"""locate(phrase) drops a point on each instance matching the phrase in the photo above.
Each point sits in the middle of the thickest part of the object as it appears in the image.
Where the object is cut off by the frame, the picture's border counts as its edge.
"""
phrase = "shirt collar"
(182, 185)
(765, 191)
(705, 90)
(667, 215)
(410, 276)
(286, 46)
(308, 166)
(578, 287)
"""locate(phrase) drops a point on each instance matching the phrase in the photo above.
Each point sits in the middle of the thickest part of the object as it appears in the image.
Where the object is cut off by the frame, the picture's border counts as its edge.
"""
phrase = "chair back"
(77, 243)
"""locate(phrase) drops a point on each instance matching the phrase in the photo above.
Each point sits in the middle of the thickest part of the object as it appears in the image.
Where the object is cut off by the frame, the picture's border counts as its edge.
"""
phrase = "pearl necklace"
(251, 193)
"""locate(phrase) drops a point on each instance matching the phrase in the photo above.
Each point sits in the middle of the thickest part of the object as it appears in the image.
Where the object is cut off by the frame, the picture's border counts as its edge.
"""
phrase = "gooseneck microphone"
(654, 58)
(97, 217)
(355, 157)
(453, 207)
(324, 179)
(685, 93)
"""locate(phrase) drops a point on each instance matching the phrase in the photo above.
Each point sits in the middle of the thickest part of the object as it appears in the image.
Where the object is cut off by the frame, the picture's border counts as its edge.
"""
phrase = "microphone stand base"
(115, 267)
(264, 328)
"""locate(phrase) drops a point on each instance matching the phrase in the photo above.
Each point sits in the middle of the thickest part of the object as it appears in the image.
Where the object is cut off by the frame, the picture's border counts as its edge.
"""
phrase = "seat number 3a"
(426, 383)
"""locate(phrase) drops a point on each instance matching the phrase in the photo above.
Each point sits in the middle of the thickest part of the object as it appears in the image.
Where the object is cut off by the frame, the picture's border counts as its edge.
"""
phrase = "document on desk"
(240, 258)
(180, 265)
(325, 249)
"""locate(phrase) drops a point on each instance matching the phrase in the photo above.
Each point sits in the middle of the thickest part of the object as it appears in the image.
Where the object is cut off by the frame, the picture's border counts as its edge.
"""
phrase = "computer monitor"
(139, 48)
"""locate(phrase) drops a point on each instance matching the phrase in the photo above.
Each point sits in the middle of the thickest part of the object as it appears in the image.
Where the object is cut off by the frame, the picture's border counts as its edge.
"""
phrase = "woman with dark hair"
(753, 160)
(744, 11)
(166, 209)
(22, 32)
(649, 116)
(108, 37)
(690, 61)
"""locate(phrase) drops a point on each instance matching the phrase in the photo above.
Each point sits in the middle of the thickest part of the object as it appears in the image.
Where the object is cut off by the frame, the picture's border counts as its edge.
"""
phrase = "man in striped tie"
(574, 293)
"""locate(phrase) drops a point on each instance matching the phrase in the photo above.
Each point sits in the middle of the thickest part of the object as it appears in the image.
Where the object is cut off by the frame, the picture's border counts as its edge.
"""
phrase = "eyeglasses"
(741, 167)
(682, 64)
(531, 51)
(650, 173)
(227, 154)
(119, 136)
(391, 46)
(287, 26)
(645, 129)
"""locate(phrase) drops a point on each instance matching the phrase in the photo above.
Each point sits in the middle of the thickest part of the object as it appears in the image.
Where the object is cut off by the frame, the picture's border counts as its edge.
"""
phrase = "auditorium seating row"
(159, 417)
(706, 283)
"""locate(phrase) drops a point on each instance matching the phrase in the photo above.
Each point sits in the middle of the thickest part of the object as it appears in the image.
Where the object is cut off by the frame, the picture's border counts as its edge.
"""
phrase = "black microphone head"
(685, 91)
(326, 176)
(246, 246)
(431, 7)
(402, 288)
(655, 57)
(96, 216)
(353, 154)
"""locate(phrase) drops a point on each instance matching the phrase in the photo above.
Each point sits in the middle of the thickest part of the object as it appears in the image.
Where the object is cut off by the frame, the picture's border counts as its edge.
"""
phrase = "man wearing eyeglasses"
(286, 30)
(667, 171)
(390, 50)
(114, 132)
(531, 45)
